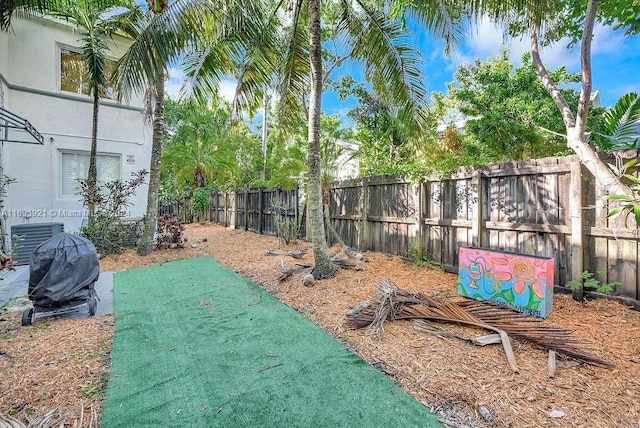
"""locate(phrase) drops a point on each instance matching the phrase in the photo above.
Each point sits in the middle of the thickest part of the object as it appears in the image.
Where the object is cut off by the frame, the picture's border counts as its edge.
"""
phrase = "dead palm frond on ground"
(397, 304)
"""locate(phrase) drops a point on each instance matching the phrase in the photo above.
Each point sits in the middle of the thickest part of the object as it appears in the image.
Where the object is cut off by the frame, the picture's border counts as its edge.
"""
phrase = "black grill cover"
(63, 270)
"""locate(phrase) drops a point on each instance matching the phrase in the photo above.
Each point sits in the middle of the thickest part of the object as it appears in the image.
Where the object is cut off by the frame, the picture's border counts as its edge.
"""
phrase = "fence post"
(364, 203)
(296, 208)
(246, 209)
(217, 199)
(233, 222)
(476, 211)
(419, 221)
(226, 207)
(575, 210)
(260, 202)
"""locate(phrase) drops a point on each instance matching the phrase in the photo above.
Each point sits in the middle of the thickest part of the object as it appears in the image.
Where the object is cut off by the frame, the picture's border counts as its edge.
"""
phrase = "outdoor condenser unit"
(26, 237)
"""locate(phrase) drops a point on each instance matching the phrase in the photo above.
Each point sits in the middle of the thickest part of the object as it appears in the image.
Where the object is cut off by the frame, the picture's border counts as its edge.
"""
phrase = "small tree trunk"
(151, 218)
(92, 176)
(575, 126)
(324, 268)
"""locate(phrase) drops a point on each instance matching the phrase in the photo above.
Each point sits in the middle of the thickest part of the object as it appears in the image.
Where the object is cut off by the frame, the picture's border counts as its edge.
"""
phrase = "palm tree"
(155, 112)
(381, 44)
(193, 156)
(162, 36)
(391, 65)
(323, 266)
(159, 38)
(96, 21)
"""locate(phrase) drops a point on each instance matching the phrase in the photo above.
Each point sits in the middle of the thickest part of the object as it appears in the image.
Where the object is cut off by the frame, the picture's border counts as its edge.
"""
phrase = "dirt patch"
(465, 385)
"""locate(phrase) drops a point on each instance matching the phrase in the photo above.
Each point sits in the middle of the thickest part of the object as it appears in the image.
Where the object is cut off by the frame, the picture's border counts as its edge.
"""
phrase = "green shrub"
(109, 230)
(200, 201)
(287, 227)
(588, 280)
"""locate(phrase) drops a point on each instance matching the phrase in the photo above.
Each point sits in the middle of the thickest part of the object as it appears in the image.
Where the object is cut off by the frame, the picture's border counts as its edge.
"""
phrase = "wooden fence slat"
(575, 204)
(476, 213)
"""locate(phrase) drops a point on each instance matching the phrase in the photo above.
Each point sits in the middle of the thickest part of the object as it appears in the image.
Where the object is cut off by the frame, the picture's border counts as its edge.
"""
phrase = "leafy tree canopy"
(569, 17)
(388, 142)
(506, 111)
(201, 152)
(509, 111)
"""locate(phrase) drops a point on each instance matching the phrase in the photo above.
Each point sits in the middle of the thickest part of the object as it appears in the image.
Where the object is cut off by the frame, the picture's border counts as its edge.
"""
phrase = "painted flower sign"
(517, 281)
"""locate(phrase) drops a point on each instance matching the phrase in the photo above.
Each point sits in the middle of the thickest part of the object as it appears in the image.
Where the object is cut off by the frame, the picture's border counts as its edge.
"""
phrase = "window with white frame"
(74, 166)
(73, 73)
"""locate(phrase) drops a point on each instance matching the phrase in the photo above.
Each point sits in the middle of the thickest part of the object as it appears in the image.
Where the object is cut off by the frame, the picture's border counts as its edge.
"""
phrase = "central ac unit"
(26, 237)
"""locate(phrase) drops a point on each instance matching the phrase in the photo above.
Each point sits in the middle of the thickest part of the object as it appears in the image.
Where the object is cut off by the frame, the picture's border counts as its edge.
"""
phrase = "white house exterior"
(31, 57)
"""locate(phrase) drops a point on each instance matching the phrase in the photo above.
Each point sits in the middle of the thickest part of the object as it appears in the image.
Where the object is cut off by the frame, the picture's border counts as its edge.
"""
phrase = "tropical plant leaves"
(621, 125)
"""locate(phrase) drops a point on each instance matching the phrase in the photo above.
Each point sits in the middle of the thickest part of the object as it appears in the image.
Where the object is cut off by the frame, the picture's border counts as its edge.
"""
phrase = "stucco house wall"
(30, 79)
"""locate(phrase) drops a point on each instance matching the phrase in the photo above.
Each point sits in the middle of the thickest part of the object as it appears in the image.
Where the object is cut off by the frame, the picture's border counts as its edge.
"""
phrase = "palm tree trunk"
(324, 268)
(92, 176)
(264, 137)
(151, 218)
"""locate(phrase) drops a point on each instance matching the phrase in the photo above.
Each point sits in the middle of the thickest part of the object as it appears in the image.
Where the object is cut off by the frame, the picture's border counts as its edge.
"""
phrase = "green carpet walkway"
(197, 345)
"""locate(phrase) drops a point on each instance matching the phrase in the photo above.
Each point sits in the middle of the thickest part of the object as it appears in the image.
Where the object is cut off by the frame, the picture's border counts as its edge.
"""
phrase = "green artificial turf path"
(197, 345)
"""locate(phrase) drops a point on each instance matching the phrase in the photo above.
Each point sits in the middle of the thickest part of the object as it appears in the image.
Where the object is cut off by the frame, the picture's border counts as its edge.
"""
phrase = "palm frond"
(446, 20)
(391, 62)
(23, 9)
(258, 70)
(205, 68)
(405, 305)
(621, 125)
(158, 40)
(295, 68)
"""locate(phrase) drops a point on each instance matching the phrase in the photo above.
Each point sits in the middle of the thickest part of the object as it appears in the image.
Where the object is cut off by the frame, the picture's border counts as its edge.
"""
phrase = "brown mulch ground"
(62, 365)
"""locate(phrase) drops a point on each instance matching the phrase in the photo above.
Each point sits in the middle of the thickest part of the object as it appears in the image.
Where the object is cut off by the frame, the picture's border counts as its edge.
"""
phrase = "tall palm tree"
(155, 112)
(391, 65)
(323, 266)
(96, 22)
(159, 37)
(381, 44)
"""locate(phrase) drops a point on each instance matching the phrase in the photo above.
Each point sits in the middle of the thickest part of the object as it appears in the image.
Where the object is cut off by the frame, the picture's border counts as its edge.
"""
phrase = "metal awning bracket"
(14, 128)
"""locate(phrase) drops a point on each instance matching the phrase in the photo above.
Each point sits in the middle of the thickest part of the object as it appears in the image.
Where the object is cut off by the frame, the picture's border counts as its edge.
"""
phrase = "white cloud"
(174, 82)
(227, 89)
(487, 39)
(606, 40)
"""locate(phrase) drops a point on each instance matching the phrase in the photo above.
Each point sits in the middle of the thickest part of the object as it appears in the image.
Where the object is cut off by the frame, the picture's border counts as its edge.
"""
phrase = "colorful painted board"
(517, 281)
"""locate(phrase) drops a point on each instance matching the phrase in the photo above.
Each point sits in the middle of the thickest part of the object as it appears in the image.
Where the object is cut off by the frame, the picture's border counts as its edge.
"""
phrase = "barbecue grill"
(62, 275)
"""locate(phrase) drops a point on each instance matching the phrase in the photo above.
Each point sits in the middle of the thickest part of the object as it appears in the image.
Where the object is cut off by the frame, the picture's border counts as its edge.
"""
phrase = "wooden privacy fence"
(546, 207)
(256, 210)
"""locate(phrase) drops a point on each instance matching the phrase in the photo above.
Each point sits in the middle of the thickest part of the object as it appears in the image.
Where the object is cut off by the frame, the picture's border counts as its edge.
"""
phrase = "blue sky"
(615, 63)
